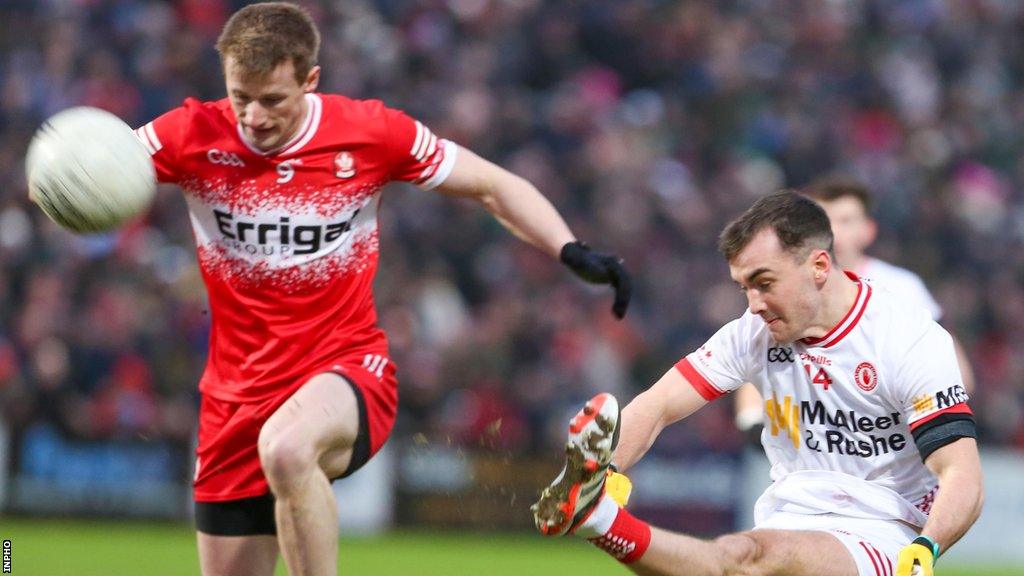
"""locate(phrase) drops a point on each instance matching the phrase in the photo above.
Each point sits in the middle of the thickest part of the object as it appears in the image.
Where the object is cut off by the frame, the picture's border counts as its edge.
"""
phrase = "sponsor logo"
(819, 359)
(278, 238)
(784, 416)
(816, 413)
(927, 403)
(923, 403)
(845, 432)
(780, 354)
(224, 158)
(950, 396)
(865, 376)
(344, 165)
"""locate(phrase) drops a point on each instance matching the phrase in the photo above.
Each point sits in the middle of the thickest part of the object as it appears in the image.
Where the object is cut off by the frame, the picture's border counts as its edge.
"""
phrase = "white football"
(88, 170)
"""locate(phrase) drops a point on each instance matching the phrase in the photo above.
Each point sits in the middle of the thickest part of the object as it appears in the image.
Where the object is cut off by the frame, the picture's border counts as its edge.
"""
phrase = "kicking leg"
(754, 553)
(576, 503)
(304, 444)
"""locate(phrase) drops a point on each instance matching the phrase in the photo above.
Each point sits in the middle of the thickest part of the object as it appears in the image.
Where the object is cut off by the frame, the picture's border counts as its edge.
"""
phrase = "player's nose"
(756, 303)
(255, 115)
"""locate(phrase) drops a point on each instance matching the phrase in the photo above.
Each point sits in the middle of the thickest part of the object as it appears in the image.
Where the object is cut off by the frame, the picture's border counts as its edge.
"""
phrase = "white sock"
(600, 520)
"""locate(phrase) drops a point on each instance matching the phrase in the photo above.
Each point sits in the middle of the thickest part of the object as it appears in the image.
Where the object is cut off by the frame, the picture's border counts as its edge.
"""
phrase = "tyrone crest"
(344, 165)
(866, 376)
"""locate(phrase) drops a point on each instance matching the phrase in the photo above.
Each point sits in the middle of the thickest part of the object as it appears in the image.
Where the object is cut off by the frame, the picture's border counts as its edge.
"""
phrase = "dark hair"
(262, 36)
(798, 222)
(836, 187)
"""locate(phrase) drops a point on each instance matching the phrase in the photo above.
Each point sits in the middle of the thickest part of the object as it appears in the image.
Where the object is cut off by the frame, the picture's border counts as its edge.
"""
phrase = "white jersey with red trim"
(901, 282)
(287, 239)
(840, 410)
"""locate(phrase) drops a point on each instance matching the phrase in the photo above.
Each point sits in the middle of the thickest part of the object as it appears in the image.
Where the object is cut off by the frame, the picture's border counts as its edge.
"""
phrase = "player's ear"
(312, 80)
(870, 232)
(821, 262)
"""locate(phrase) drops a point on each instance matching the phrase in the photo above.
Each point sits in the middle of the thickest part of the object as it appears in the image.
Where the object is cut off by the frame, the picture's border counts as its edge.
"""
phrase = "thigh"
(871, 545)
(323, 414)
(802, 553)
(234, 555)
(345, 413)
(875, 545)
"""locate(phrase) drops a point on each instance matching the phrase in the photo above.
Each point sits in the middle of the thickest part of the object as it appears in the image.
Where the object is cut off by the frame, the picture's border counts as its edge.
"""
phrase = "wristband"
(929, 544)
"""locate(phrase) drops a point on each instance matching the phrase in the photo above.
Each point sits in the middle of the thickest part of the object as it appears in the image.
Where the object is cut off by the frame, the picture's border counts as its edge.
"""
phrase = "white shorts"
(874, 544)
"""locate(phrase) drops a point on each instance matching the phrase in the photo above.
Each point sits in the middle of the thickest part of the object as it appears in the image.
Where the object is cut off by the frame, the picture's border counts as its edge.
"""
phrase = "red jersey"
(287, 239)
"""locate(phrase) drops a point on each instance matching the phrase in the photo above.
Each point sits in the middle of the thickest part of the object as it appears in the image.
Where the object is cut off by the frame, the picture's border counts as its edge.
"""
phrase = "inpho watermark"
(7, 556)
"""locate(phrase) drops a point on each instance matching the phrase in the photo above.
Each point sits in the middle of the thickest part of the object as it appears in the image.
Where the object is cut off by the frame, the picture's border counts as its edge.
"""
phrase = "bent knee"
(742, 554)
(285, 458)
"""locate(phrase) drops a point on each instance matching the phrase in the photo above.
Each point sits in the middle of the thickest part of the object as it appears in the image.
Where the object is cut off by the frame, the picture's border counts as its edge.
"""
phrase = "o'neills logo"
(866, 376)
(278, 238)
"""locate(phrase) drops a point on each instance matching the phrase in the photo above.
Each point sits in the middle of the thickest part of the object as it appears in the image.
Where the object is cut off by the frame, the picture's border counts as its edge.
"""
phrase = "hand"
(618, 487)
(598, 268)
(917, 558)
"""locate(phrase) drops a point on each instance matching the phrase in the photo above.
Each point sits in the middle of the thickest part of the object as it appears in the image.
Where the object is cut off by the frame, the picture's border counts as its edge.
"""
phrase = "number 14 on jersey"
(820, 377)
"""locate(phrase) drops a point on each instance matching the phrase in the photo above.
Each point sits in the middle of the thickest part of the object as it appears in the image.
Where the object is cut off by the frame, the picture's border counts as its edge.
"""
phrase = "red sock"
(627, 539)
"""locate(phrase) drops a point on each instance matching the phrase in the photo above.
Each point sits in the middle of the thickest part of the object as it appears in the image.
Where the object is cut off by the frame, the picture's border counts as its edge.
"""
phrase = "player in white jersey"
(868, 416)
(848, 206)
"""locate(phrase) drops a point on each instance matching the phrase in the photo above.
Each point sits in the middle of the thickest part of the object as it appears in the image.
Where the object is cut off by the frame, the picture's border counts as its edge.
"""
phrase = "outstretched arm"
(525, 212)
(669, 400)
(516, 203)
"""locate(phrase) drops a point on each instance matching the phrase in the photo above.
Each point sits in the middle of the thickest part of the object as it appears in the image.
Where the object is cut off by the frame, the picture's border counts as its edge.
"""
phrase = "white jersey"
(903, 283)
(841, 408)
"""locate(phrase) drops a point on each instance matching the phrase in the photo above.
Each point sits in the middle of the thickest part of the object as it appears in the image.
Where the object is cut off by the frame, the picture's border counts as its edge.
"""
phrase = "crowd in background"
(647, 123)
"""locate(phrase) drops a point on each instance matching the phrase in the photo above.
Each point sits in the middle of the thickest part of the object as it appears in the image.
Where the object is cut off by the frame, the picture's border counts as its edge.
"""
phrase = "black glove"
(598, 268)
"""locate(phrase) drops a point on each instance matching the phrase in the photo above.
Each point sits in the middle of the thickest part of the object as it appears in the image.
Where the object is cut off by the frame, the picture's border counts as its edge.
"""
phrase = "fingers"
(910, 563)
(621, 280)
(904, 564)
(598, 268)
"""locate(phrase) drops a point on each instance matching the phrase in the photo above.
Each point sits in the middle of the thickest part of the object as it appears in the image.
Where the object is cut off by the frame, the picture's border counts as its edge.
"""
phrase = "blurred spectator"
(648, 124)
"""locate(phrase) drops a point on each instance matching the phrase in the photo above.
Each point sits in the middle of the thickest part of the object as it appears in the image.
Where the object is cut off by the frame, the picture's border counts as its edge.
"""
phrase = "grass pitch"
(93, 548)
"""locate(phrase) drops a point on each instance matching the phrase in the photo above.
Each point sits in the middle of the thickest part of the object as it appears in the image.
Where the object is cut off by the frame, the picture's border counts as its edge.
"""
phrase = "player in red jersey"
(282, 185)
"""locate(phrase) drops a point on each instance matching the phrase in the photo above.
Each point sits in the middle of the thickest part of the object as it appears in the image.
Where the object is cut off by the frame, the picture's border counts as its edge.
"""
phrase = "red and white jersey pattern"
(840, 409)
(287, 239)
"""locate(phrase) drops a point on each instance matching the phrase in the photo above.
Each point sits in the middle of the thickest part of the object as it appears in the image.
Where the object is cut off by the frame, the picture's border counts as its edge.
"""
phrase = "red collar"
(840, 330)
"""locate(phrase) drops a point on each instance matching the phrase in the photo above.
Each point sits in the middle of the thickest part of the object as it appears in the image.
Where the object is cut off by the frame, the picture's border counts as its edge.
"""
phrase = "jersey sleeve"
(163, 139)
(928, 387)
(721, 364)
(415, 153)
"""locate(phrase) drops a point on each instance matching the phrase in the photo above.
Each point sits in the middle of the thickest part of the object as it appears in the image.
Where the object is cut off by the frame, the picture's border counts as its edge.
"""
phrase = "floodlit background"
(648, 123)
